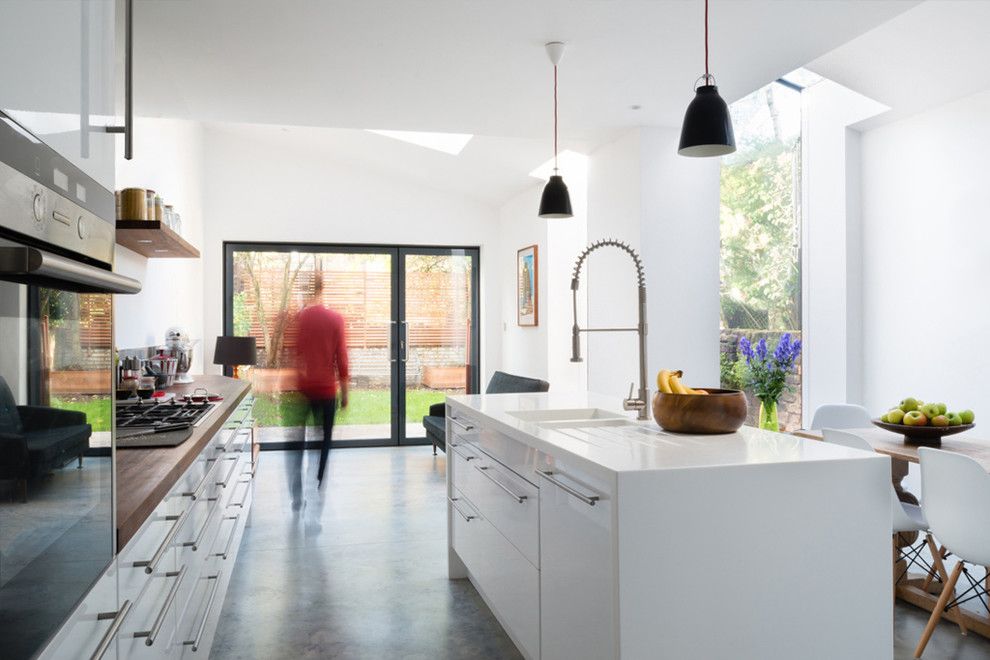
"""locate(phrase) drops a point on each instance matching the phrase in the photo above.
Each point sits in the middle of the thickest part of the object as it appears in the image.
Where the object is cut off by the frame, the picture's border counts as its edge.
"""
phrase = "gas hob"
(153, 415)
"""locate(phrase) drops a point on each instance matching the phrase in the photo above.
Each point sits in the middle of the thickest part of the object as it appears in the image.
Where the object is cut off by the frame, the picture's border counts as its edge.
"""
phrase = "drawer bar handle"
(152, 564)
(206, 615)
(195, 543)
(484, 469)
(198, 490)
(456, 508)
(230, 539)
(247, 491)
(151, 635)
(107, 639)
(463, 425)
(587, 499)
(226, 480)
(226, 446)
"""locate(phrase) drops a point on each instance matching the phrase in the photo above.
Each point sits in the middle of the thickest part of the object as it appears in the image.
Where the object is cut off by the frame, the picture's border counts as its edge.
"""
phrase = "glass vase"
(768, 416)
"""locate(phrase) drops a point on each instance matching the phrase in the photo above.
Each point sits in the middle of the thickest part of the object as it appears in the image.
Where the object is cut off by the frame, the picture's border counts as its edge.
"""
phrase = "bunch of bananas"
(669, 382)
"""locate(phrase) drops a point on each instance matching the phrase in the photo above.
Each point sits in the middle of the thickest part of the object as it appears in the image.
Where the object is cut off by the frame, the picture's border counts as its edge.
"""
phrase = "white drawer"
(508, 502)
(90, 623)
(150, 625)
(197, 623)
(520, 458)
(461, 456)
(507, 580)
(154, 541)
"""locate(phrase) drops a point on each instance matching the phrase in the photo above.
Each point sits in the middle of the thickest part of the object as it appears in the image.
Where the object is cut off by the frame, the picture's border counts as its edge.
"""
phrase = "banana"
(676, 385)
(663, 381)
(701, 392)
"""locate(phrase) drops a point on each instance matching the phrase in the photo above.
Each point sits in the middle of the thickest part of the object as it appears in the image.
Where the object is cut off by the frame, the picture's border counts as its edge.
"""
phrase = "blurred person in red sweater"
(321, 363)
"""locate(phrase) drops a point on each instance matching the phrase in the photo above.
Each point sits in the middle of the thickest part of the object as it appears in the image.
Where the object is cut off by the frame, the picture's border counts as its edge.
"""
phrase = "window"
(760, 224)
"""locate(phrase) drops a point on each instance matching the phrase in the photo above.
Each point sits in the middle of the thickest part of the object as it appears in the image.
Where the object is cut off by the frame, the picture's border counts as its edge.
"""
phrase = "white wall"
(259, 190)
(831, 302)
(168, 158)
(926, 229)
(666, 207)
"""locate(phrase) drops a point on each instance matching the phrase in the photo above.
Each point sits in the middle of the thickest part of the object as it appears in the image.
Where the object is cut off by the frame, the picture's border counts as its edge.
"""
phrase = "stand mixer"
(180, 346)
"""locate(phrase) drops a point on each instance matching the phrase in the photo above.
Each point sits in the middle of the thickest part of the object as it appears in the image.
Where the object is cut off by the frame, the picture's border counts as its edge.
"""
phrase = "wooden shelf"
(154, 240)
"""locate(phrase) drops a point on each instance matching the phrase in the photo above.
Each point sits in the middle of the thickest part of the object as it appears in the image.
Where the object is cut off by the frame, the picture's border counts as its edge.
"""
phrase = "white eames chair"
(841, 416)
(957, 506)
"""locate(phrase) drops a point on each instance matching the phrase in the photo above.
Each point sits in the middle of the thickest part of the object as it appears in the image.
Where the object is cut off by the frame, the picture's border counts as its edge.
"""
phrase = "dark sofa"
(34, 440)
(501, 383)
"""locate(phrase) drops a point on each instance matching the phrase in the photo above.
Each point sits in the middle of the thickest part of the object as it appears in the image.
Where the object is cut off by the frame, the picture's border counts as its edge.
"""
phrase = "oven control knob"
(82, 228)
(39, 207)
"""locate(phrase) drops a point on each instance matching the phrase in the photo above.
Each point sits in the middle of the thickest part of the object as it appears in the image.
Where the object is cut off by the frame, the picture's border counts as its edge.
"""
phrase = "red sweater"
(321, 352)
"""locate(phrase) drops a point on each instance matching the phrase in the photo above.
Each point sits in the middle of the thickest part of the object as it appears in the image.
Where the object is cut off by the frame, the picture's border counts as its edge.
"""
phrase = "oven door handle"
(31, 264)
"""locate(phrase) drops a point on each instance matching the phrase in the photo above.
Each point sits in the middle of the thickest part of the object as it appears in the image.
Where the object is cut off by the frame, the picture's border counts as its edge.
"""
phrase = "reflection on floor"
(359, 571)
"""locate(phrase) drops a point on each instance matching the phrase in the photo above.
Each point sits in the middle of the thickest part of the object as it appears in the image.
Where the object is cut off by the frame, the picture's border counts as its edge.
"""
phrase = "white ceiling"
(466, 66)
(931, 54)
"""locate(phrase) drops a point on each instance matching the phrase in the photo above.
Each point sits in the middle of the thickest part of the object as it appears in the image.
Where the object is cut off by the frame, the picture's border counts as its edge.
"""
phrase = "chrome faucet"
(641, 403)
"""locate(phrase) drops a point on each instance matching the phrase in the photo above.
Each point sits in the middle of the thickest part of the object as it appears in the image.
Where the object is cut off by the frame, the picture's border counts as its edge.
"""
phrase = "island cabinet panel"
(577, 565)
(507, 581)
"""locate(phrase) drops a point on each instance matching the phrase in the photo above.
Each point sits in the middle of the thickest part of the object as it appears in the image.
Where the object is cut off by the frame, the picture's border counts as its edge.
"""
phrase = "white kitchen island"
(593, 536)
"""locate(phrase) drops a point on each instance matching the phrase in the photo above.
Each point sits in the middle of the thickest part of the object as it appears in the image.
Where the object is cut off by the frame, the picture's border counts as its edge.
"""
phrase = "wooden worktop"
(145, 475)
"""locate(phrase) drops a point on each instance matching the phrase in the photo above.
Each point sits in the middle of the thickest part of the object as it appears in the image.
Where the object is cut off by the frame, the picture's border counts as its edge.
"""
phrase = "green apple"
(915, 418)
(909, 404)
(931, 410)
(940, 420)
(883, 418)
(942, 408)
(954, 419)
(895, 416)
(967, 416)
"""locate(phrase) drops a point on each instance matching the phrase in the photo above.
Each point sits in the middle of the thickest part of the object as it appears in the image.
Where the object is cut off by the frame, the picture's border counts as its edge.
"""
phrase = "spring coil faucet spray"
(641, 403)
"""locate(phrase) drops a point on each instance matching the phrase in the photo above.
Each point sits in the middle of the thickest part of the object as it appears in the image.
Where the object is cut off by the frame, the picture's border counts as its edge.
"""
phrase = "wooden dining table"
(919, 589)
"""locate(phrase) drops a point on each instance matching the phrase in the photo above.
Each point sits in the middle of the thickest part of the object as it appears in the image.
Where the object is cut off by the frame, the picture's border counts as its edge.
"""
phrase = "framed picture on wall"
(528, 286)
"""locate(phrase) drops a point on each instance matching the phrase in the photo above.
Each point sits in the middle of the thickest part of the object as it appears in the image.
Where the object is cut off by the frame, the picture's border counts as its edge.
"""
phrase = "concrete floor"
(358, 570)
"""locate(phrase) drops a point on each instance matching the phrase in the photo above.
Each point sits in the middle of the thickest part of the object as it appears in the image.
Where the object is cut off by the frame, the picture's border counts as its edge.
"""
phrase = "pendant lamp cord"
(555, 118)
(706, 42)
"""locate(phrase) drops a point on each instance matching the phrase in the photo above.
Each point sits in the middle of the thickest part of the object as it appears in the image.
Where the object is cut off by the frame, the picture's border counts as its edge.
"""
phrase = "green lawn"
(97, 409)
(365, 407)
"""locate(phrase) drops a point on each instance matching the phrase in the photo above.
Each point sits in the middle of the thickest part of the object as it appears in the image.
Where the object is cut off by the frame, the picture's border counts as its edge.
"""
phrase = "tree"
(273, 322)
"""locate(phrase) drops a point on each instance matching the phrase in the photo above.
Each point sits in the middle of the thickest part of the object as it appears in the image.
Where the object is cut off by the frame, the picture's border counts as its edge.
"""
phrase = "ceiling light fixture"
(556, 201)
(707, 128)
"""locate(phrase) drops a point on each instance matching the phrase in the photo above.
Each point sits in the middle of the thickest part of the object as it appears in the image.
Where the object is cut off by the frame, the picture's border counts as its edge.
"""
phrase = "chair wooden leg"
(948, 589)
(942, 573)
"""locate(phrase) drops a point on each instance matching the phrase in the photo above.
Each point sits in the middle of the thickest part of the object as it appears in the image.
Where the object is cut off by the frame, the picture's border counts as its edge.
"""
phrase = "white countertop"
(642, 445)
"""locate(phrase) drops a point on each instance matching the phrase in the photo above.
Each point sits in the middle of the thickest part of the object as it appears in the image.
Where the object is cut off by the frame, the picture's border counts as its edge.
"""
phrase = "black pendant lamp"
(707, 128)
(556, 201)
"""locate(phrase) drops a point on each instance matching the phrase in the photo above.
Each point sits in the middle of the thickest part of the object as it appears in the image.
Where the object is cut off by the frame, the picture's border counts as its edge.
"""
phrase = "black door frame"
(397, 254)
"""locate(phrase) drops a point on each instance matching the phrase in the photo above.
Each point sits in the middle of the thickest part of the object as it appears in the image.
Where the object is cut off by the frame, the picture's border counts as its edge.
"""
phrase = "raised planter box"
(445, 378)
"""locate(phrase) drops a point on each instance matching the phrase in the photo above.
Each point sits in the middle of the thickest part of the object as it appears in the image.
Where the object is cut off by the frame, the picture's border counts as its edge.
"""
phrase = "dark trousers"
(327, 408)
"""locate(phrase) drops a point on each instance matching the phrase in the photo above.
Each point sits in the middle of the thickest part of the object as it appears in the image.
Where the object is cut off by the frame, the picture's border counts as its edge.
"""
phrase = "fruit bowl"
(722, 411)
(926, 436)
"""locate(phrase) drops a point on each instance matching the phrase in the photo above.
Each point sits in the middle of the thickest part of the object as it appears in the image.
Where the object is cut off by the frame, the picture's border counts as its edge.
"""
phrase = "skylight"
(802, 78)
(448, 143)
(571, 164)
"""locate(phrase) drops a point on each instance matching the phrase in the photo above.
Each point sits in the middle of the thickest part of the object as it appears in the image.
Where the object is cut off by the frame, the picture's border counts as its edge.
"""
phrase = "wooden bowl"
(722, 411)
(923, 436)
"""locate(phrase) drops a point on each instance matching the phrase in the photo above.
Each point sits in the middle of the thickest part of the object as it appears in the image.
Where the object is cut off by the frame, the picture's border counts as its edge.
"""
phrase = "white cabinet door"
(577, 567)
(57, 72)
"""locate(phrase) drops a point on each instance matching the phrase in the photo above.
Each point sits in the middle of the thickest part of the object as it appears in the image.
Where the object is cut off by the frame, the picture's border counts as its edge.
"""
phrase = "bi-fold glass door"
(410, 315)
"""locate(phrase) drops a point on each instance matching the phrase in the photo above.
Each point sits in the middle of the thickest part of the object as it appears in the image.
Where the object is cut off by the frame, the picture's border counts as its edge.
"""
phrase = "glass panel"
(438, 326)
(56, 527)
(270, 288)
(761, 237)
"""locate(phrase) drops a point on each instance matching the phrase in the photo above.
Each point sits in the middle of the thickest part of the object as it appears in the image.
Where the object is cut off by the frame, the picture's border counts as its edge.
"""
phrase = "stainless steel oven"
(56, 388)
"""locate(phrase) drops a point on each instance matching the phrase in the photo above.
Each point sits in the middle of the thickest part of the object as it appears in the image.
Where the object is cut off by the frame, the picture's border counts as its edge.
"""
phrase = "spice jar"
(149, 200)
(159, 208)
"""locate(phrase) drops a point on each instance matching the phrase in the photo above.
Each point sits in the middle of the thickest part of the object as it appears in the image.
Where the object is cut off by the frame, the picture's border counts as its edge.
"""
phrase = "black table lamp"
(235, 352)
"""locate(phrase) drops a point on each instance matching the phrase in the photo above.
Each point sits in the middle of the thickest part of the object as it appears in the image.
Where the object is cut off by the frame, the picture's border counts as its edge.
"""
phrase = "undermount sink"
(572, 416)
(586, 423)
